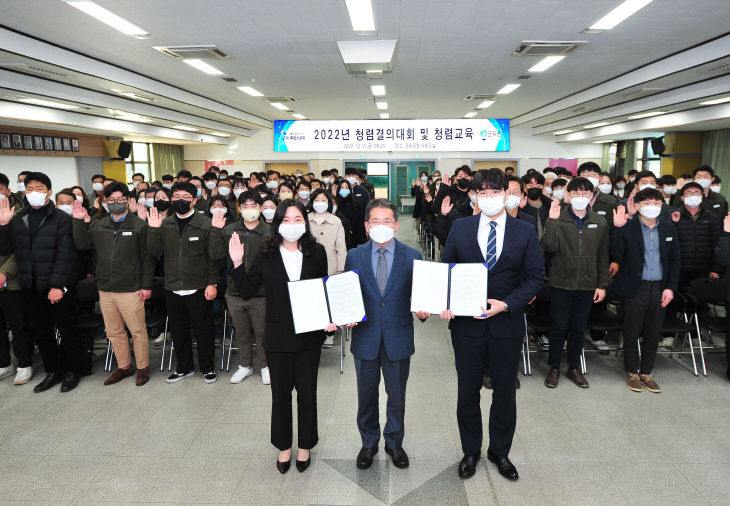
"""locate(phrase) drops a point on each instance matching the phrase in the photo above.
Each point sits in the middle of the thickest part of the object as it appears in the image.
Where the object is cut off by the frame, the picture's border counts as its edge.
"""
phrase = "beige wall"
(317, 166)
(196, 167)
(494, 164)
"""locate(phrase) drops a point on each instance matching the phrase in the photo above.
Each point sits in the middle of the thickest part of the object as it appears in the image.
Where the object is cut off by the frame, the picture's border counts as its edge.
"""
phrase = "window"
(140, 160)
(646, 159)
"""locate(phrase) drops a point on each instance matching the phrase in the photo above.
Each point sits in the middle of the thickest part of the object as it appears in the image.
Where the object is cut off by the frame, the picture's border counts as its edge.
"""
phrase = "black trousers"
(184, 311)
(289, 371)
(570, 310)
(42, 317)
(12, 317)
(472, 355)
(643, 317)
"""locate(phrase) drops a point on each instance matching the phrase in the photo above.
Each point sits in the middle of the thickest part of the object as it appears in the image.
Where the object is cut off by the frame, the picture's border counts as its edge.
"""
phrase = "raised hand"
(142, 212)
(554, 210)
(6, 212)
(631, 207)
(219, 220)
(446, 206)
(133, 204)
(78, 210)
(675, 216)
(726, 223)
(235, 250)
(620, 217)
(523, 201)
(154, 220)
(446, 180)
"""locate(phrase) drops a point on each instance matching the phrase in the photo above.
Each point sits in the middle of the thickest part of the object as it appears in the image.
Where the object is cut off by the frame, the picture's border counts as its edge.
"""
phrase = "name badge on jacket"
(592, 225)
(669, 238)
(602, 213)
(126, 233)
(193, 239)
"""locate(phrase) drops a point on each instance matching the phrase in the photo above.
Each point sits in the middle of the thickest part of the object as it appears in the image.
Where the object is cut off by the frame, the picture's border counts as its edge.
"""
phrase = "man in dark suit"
(511, 250)
(359, 193)
(385, 341)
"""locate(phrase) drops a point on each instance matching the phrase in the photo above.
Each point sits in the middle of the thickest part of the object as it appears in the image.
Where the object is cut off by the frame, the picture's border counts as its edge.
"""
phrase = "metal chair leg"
(223, 343)
(164, 345)
(342, 348)
(172, 348)
(109, 356)
(699, 341)
(583, 361)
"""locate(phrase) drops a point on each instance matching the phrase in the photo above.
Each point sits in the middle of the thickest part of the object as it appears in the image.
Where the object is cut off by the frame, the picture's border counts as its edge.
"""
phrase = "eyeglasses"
(387, 222)
(117, 201)
(581, 194)
(489, 193)
(178, 197)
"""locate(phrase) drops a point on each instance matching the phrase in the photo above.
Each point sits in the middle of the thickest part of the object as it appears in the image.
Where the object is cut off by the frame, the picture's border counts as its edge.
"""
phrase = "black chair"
(91, 324)
(604, 322)
(702, 292)
(677, 322)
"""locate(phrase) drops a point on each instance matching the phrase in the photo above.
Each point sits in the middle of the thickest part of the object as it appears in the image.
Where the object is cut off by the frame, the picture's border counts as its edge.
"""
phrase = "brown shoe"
(634, 382)
(552, 379)
(577, 377)
(119, 375)
(143, 376)
(649, 383)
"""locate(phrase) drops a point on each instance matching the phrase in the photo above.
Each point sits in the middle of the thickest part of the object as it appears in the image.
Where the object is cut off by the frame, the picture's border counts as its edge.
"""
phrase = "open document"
(462, 288)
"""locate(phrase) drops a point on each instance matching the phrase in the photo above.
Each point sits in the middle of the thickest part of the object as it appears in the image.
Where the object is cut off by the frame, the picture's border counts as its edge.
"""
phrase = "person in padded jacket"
(45, 256)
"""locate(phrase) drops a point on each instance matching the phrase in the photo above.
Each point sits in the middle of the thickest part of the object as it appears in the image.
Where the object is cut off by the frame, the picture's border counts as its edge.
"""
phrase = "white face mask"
(381, 234)
(250, 215)
(216, 210)
(645, 186)
(237, 193)
(594, 181)
(320, 207)
(224, 191)
(559, 194)
(326, 180)
(97, 187)
(21, 186)
(620, 186)
(473, 198)
(167, 185)
(268, 213)
(670, 190)
(272, 184)
(292, 231)
(631, 179)
(604, 188)
(79, 198)
(704, 183)
(36, 199)
(579, 203)
(424, 179)
(304, 195)
(548, 191)
(66, 208)
(352, 180)
(491, 206)
(512, 202)
(650, 212)
(334, 208)
(715, 188)
(150, 202)
(210, 184)
(693, 200)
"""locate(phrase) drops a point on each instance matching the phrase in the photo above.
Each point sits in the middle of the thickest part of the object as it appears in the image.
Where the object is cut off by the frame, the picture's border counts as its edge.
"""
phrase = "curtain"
(166, 159)
(606, 159)
(716, 154)
(630, 159)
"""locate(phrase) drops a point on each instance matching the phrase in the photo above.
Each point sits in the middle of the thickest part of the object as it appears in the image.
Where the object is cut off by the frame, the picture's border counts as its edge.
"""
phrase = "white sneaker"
(601, 345)
(158, 341)
(543, 341)
(265, 378)
(329, 341)
(241, 374)
(23, 375)
(7, 371)
(667, 342)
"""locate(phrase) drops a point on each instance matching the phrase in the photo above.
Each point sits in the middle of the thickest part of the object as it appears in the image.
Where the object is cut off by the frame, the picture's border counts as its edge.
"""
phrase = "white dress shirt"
(292, 263)
(483, 234)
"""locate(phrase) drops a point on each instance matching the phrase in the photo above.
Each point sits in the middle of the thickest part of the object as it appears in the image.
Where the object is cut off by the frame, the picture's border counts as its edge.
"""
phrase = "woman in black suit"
(291, 254)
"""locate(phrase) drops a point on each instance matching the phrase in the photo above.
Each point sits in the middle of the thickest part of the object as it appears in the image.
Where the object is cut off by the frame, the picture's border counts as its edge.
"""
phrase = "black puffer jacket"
(46, 259)
(698, 240)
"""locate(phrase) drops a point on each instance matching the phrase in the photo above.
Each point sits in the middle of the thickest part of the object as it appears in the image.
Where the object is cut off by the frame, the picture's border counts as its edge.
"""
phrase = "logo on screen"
(484, 134)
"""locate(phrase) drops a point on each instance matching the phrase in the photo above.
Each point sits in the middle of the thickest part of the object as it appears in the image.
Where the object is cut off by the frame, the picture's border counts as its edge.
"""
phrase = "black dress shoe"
(365, 457)
(468, 466)
(504, 466)
(302, 465)
(283, 467)
(398, 456)
(70, 381)
(51, 380)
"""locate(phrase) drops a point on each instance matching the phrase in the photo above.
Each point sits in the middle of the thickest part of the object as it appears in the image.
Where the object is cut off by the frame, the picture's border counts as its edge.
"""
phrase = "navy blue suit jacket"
(389, 315)
(515, 279)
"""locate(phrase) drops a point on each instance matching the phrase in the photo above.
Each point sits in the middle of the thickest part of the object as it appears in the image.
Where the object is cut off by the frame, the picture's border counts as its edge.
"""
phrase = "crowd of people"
(185, 247)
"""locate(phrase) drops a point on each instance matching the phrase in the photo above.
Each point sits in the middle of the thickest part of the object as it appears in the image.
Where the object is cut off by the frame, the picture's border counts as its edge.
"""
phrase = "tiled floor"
(197, 443)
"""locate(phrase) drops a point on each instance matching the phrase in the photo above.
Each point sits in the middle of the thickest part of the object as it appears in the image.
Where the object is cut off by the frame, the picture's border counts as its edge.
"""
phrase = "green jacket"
(10, 269)
(122, 261)
(580, 257)
(715, 203)
(251, 240)
(188, 265)
(604, 206)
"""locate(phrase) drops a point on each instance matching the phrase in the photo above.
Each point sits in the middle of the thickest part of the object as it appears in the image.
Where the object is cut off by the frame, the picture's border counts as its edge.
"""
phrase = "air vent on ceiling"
(722, 68)
(643, 91)
(546, 48)
(202, 52)
(523, 77)
(278, 99)
(33, 69)
(480, 97)
(230, 79)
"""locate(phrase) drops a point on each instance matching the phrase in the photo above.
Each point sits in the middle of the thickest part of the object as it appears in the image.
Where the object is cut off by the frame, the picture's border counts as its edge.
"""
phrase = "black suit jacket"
(269, 270)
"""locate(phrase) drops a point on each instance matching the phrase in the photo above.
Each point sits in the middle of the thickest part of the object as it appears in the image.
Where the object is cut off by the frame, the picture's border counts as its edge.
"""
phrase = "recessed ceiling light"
(596, 125)
(378, 90)
(485, 104)
(279, 106)
(563, 132)
(618, 14)
(109, 18)
(601, 142)
(470, 114)
(381, 105)
(361, 15)
(647, 114)
(508, 89)
(373, 71)
(250, 91)
(186, 128)
(299, 116)
(545, 63)
(716, 101)
(202, 66)
(220, 134)
(48, 103)
(129, 116)
(384, 115)
(129, 94)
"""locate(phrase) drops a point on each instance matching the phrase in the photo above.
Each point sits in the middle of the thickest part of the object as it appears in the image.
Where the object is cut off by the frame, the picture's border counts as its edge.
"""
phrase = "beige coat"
(330, 233)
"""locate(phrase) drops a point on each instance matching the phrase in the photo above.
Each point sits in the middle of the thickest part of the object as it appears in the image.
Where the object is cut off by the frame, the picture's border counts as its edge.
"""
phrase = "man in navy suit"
(511, 250)
(385, 341)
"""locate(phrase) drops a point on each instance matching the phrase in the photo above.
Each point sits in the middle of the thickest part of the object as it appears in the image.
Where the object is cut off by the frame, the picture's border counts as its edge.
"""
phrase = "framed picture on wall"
(74, 145)
(5, 141)
(17, 141)
(66, 144)
(28, 142)
(38, 142)
(48, 143)
(57, 144)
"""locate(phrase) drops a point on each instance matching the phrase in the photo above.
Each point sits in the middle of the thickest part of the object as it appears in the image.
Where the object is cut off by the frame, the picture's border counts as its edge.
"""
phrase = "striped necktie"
(381, 275)
(491, 255)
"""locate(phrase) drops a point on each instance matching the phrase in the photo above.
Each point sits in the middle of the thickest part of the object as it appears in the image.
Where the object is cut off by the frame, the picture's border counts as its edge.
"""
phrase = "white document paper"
(308, 305)
(468, 289)
(345, 298)
(430, 287)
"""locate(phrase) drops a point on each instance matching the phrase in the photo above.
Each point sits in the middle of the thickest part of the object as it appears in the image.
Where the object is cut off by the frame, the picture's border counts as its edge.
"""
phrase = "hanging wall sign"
(392, 135)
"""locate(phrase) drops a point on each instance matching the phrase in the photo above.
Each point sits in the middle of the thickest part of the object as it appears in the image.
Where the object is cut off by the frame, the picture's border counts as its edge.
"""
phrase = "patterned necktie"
(381, 276)
(492, 245)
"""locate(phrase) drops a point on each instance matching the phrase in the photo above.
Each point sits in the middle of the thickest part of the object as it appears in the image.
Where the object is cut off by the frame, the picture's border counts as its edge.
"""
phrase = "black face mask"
(462, 183)
(181, 206)
(534, 193)
(162, 205)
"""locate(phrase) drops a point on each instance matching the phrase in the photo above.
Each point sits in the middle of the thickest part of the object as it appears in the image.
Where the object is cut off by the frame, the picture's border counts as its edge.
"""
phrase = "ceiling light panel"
(220, 134)
(485, 104)
(716, 101)
(545, 63)
(186, 128)
(299, 116)
(563, 132)
(596, 125)
(384, 115)
(367, 56)
(508, 89)
(470, 114)
(381, 105)
(250, 91)
(378, 90)
(619, 14)
(361, 15)
(203, 67)
(647, 114)
(109, 18)
(48, 103)
(279, 106)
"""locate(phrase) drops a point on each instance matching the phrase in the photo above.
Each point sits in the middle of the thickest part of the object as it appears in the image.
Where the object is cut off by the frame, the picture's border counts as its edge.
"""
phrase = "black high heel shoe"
(283, 467)
(302, 465)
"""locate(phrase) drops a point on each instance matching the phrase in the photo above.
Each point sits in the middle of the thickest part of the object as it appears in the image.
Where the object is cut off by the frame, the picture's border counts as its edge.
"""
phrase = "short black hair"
(186, 187)
(645, 173)
(687, 175)
(489, 179)
(511, 178)
(463, 168)
(351, 171)
(116, 186)
(381, 203)
(580, 184)
(649, 194)
(316, 193)
(270, 173)
(559, 183)
(95, 176)
(633, 171)
(24, 173)
(210, 175)
(363, 173)
(285, 184)
(325, 173)
(39, 177)
(222, 171)
(703, 168)
(304, 182)
(668, 179)
(4, 181)
(250, 195)
(588, 166)
(184, 173)
(167, 177)
(138, 174)
(67, 192)
(539, 178)
(509, 168)
(694, 185)
(716, 179)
